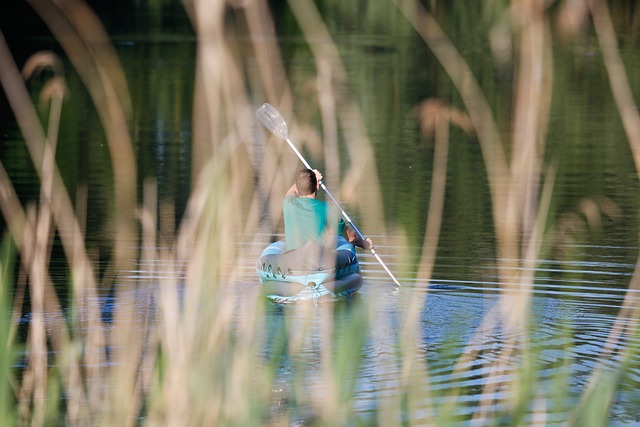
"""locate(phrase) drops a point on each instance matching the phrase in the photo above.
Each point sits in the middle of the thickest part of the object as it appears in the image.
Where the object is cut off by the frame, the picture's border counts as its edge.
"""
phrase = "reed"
(181, 347)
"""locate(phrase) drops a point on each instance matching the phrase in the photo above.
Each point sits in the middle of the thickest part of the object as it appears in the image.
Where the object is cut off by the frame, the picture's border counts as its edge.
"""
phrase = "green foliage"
(8, 351)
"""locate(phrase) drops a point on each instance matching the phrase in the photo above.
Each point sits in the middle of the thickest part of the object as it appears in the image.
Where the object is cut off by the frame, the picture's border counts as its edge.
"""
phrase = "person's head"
(306, 182)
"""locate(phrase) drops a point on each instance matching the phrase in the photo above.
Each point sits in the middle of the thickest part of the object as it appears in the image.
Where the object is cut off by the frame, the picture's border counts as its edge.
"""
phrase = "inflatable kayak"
(310, 272)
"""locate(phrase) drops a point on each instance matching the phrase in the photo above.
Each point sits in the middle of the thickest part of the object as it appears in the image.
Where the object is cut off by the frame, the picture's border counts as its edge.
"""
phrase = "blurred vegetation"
(177, 346)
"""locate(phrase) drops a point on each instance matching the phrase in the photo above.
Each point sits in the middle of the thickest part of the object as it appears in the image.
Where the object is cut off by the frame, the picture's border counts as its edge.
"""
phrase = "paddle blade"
(272, 120)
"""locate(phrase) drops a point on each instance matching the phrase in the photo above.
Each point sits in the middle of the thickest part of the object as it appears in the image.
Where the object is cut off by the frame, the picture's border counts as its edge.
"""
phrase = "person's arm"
(293, 191)
(318, 178)
(354, 239)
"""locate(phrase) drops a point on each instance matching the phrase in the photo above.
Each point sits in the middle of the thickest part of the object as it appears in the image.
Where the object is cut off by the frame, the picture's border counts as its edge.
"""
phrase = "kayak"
(310, 272)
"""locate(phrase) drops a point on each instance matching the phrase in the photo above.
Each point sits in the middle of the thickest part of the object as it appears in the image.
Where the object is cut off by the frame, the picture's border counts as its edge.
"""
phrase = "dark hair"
(306, 182)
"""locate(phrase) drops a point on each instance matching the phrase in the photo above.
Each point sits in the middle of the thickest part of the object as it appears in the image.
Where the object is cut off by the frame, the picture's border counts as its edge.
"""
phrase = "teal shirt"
(306, 219)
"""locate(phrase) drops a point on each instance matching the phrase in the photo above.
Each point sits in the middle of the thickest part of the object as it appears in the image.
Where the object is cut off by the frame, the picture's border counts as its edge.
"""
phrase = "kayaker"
(308, 219)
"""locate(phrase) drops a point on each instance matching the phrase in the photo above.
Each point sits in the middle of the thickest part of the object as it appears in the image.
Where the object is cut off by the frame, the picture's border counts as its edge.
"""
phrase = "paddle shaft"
(342, 212)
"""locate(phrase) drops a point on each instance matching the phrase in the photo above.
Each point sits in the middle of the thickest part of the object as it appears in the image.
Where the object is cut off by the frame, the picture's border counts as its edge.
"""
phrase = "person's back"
(305, 217)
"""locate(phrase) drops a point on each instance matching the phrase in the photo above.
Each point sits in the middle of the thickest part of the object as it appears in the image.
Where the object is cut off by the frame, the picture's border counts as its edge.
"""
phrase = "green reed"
(198, 354)
(8, 356)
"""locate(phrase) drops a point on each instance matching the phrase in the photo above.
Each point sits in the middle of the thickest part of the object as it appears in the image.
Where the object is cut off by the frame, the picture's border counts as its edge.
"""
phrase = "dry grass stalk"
(434, 118)
(514, 178)
(16, 219)
(628, 319)
(88, 47)
(622, 93)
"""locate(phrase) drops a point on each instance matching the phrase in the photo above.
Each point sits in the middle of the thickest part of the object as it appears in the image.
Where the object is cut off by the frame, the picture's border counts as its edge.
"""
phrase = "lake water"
(580, 282)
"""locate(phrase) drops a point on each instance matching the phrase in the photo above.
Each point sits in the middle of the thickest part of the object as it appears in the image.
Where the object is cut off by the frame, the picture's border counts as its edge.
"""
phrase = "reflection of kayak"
(309, 272)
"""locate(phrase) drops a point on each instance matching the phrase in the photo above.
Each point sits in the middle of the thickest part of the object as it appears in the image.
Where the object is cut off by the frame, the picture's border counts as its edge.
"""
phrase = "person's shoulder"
(289, 199)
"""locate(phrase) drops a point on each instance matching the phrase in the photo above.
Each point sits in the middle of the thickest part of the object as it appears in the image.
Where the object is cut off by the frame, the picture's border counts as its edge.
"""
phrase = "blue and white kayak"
(310, 272)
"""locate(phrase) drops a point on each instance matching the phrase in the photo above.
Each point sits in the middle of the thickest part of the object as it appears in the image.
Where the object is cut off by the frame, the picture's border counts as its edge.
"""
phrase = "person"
(307, 219)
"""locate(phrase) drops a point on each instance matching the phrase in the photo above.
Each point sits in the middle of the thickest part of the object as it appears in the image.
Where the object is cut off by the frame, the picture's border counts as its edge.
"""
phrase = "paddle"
(273, 120)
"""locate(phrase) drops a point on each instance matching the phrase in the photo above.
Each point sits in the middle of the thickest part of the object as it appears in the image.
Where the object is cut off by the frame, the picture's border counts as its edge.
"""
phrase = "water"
(574, 305)
(580, 282)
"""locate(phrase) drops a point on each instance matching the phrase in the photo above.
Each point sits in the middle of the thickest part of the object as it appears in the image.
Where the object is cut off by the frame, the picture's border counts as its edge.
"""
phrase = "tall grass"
(184, 348)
